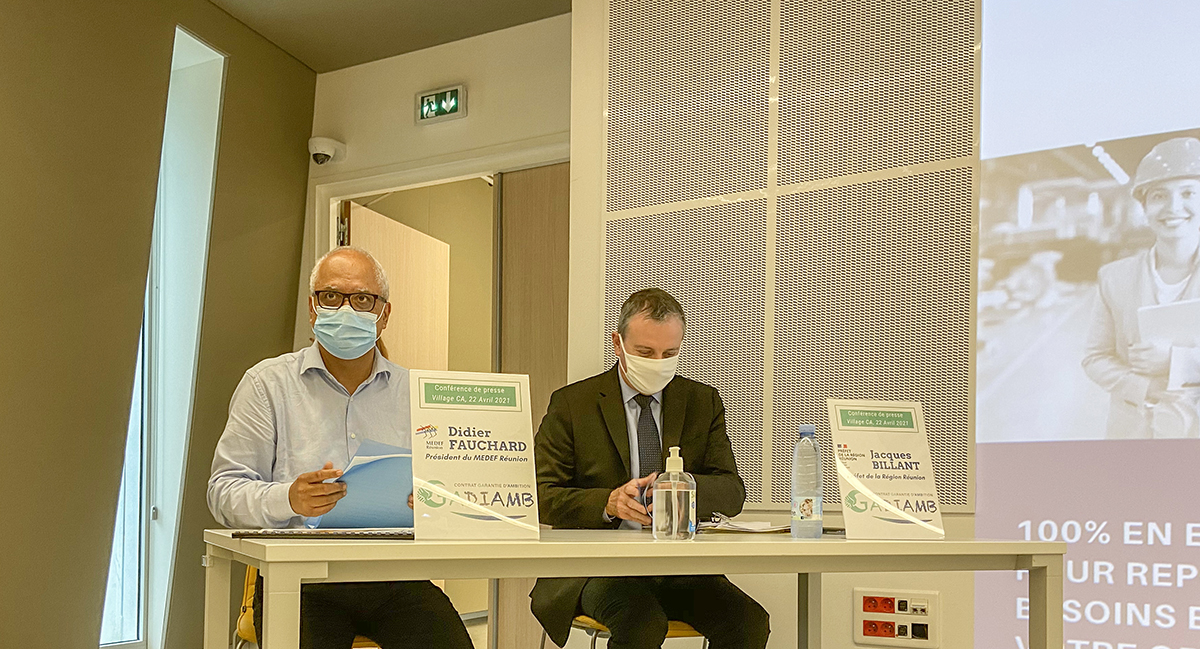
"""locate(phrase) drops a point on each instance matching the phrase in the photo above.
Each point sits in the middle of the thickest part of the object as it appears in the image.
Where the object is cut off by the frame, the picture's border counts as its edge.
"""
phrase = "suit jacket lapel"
(613, 409)
(673, 409)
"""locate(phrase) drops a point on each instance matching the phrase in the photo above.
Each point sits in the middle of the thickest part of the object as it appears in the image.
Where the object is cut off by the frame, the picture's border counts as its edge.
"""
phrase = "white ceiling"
(328, 35)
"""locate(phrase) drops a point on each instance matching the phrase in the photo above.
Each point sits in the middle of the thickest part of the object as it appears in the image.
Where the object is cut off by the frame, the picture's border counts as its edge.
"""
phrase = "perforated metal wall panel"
(873, 301)
(866, 86)
(872, 273)
(713, 261)
(687, 100)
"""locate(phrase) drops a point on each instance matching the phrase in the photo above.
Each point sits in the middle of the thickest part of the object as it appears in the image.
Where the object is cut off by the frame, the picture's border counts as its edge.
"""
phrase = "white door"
(418, 270)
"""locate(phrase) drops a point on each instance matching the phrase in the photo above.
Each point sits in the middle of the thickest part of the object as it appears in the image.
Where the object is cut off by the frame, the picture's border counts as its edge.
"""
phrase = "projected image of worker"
(1089, 295)
(1142, 343)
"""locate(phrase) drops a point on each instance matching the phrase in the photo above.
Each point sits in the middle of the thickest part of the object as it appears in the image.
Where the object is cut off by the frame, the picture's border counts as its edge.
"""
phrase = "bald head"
(349, 270)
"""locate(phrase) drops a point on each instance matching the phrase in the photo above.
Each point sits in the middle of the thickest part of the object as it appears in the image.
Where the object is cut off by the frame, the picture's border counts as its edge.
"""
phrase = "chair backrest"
(245, 621)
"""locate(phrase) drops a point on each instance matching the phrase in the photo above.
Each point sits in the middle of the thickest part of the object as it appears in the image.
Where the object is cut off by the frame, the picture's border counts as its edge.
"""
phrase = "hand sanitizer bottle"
(675, 502)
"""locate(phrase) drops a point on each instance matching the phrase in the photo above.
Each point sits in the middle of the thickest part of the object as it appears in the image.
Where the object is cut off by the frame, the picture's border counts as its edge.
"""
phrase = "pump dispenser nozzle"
(674, 461)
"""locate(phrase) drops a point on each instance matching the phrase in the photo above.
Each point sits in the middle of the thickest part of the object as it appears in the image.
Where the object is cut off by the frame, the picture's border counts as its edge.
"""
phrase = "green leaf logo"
(428, 498)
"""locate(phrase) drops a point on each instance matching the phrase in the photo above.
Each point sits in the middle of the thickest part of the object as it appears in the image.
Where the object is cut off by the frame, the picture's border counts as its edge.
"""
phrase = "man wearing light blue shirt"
(294, 422)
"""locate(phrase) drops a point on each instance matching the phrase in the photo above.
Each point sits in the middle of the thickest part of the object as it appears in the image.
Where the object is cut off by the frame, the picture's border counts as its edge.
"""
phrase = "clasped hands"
(623, 501)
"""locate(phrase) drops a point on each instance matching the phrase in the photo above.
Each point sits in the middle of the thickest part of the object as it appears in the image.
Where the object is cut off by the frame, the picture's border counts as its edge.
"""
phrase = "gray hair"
(380, 276)
(655, 303)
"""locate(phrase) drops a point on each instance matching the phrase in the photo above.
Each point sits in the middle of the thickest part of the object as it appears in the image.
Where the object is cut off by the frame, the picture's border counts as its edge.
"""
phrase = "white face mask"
(648, 375)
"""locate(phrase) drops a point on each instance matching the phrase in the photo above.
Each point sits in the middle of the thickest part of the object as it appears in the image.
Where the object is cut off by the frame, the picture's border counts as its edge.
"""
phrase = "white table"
(286, 564)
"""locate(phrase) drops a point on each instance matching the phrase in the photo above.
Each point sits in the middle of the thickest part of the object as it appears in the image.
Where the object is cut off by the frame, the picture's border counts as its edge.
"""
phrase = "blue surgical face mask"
(345, 333)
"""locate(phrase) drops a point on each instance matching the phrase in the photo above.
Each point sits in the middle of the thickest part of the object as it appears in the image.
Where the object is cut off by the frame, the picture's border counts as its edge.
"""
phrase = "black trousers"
(395, 614)
(636, 610)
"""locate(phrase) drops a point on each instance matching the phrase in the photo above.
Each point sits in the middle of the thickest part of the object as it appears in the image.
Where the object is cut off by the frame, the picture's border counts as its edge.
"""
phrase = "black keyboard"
(391, 533)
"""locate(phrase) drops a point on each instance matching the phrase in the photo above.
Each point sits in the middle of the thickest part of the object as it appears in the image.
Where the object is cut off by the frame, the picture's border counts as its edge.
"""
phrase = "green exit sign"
(441, 104)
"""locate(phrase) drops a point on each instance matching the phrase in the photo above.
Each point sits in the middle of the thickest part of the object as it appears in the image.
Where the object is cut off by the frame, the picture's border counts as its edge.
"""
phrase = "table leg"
(1045, 602)
(281, 601)
(217, 629)
(808, 610)
(493, 636)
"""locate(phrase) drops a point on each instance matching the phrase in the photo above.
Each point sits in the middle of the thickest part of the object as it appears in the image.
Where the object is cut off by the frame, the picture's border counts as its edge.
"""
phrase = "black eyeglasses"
(358, 301)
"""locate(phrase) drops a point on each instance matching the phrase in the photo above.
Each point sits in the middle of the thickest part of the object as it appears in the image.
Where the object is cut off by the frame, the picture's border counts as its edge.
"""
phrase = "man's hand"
(1150, 358)
(310, 495)
(623, 501)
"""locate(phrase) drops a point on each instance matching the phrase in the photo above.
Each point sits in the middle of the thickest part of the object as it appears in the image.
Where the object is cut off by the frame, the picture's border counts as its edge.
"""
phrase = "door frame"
(325, 193)
(329, 191)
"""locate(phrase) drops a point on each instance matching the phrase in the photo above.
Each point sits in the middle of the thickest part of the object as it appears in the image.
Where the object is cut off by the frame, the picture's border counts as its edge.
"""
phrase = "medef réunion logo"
(428, 435)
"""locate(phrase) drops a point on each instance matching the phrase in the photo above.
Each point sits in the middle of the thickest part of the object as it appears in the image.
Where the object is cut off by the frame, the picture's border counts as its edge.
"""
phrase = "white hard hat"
(1176, 158)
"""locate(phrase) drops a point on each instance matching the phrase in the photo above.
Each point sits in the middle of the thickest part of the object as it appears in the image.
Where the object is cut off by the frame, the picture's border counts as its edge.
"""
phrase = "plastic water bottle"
(675, 502)
(806, 485)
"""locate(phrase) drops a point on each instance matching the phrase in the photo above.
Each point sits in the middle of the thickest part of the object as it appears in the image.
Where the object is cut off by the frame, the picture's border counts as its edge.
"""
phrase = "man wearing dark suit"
(602, 440)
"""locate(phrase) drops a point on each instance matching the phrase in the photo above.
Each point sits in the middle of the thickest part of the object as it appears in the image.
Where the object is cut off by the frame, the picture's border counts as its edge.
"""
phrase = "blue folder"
(378, 483)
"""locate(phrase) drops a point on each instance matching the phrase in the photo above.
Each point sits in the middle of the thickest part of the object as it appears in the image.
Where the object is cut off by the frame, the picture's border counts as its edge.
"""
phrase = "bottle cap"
(674, 461)
(808, 430)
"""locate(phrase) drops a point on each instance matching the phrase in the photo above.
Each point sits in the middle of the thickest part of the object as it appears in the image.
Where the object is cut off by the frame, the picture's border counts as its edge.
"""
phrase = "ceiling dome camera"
(325, 150)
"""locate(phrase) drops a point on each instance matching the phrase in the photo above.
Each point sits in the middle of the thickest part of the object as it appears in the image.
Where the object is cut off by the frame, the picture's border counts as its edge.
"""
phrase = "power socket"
(897, 618)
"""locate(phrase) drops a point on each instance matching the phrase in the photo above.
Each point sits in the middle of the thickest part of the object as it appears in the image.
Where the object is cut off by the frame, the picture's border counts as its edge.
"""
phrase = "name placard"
(884, 470)
(473, 469)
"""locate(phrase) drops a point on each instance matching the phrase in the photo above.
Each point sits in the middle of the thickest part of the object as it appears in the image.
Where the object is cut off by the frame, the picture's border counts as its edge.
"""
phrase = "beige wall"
(459, 214)
(84, 99)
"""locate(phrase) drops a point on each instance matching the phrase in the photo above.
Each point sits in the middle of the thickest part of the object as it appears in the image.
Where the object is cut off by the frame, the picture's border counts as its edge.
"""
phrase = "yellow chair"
(245, 622)
(675, 629)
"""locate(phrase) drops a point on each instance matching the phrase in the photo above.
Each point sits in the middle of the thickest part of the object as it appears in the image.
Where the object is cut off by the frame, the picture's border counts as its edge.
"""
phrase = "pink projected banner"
(1088, 386)
(1133, 532)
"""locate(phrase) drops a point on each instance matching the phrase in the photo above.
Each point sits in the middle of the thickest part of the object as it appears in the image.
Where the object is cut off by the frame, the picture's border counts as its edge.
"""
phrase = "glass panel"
(122, 601)
(144, 551)
(179, 260)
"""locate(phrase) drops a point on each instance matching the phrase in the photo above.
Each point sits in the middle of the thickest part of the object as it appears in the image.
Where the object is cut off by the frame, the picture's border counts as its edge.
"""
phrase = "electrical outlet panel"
(897, 618)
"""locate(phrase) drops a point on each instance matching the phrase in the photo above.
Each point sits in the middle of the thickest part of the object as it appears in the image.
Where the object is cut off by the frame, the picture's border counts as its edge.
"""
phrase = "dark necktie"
(649, 446)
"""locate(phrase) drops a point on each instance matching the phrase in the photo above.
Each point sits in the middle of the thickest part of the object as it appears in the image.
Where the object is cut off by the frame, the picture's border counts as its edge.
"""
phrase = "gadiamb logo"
(429, 498)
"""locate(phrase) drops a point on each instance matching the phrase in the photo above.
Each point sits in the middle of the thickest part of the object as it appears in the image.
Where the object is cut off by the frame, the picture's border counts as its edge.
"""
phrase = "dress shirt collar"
(628, 393)
(312, 360)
